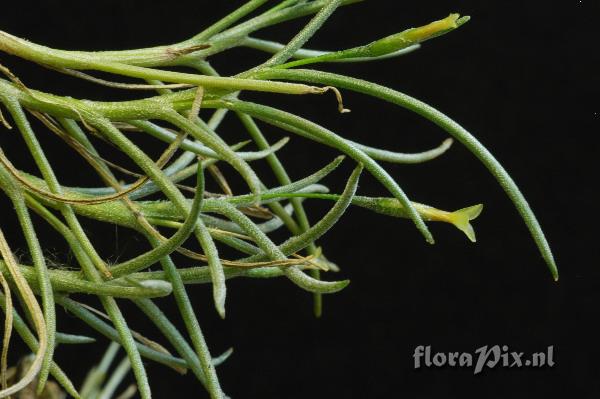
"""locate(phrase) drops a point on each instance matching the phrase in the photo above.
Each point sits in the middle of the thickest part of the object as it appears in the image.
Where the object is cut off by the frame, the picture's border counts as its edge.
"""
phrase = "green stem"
(304, 53)
(41, 270)
(301, 241)
(388, 45)
(270, 115)
(181, 297)
(33, 344)
(66, 282)
(171, 332)
(303, 36)
(229, 20)
(283, 178)
(115, 379)
(92, 274)
(106, 330)
(71, 60)
(165, 248)
(450, 126)
(72, 339)
(197, 148)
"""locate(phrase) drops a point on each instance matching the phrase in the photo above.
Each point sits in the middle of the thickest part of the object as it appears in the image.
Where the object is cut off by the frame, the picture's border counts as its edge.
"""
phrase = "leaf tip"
(461, 218)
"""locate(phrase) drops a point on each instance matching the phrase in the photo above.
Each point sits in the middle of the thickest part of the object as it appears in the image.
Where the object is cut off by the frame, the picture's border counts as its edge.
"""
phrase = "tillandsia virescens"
(168, 109)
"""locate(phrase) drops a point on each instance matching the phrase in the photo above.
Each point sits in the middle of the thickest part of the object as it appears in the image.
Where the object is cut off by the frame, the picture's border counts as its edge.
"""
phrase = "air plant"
(214, 220)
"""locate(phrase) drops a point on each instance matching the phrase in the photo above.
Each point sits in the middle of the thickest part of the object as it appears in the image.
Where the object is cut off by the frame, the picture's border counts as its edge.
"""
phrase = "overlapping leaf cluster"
(215, 220)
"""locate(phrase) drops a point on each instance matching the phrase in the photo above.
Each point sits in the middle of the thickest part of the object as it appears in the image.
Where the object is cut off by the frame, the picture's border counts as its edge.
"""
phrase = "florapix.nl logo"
(482, 357)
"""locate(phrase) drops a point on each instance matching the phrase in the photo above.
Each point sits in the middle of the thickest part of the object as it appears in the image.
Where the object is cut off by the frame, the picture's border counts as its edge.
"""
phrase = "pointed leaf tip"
(461, 218)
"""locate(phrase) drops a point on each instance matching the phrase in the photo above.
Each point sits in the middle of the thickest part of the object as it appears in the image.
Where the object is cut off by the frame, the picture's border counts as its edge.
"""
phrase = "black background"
(522, 76)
